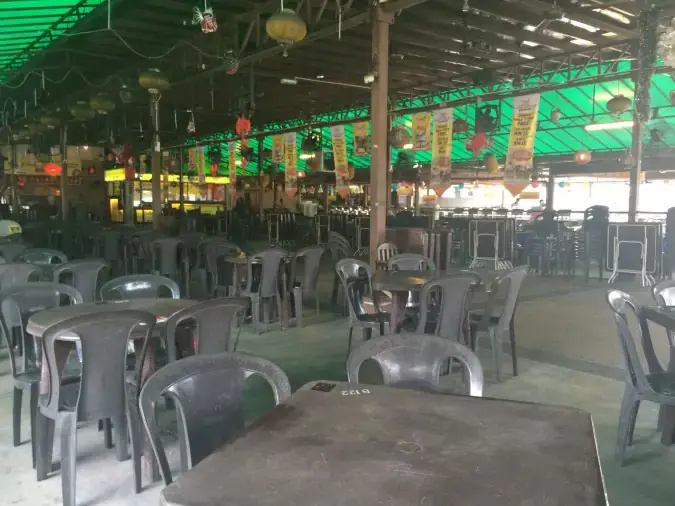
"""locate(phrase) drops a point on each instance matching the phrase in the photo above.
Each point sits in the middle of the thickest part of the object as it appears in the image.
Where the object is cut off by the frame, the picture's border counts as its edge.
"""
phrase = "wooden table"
(342, 444)
(162, 308)
(665, 316)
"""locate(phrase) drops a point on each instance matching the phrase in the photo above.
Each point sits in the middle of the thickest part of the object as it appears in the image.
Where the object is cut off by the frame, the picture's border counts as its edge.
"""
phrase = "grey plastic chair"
(306, 286)
(85, 275)
(208, 392)
(444, 304)
(415, 361)
(498, 316)
(356, 277)
(211, 251)
(410, 262)
(664, 295)
(139, 286)
(167, 252)
(653, 385)
(42, 256)
(18, 273)
(18, 304)
(100, 393)
(12, 250)
(213, 322)
(337, 252)
(267, 288)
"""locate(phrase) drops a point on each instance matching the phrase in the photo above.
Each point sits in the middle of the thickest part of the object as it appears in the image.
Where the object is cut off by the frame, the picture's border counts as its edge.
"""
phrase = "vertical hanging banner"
(165, 177)
(291, 159)
(337, 133)
(201, 165)
(361, 139)
(192, 159)
(277, 149)
(421, 127)
(520, 155)
(232, 166)
(441, 151)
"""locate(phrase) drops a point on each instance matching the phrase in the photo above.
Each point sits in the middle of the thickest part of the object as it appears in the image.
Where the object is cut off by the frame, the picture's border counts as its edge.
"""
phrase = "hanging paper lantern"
(583, 156)
(619, 104)
(230, 62)
(460, 126)
(205, 18)
(51, 122)
(399, 137)
(126, 96)
(535, 183)
(81, 111)
(301, 173)
(561, 184)
(286, 27)
(214, 169)
(52, 169)
(555, 115)
(491, 163)
(243, 127)
(154, 81)
(102, 104)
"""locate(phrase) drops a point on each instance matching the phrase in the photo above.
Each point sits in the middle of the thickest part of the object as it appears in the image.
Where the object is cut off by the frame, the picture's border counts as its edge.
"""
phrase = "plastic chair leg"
(34, 393)
(514, 356)
(135, 431)
(17, 398)
(297, 302)
(44, 447)
(107, 433)
(68, 457)
(629, 406)
(255, 315)
(349, 341)
(121, 438)
(496, 343)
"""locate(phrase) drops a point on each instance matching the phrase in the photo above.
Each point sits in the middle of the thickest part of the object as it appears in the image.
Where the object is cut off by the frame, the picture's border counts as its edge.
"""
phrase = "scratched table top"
(336, 444)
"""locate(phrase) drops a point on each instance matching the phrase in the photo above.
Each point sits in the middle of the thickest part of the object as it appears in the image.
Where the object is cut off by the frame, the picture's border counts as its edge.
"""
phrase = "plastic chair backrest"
(352, 274)
(339, 238)
(664, 292)
(42, 256)
(165, 255)
(270, 261)
(311, 260)
(140, 286)
(410, 262)
(18, 303)
(454, 290)
(622, 304)
(111, 244)
(214, 321)
(513, 281)
(17, 274)
(214, 248)
(104, 339)
(10, 251)
(414, 361)
(85, 276)
(208, 391)
(337, 250)
(385, 252)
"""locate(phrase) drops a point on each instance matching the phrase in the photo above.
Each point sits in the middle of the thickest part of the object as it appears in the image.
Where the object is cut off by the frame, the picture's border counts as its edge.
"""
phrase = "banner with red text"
(441, 151)
(520, 155)
(277, 149)
(421, 129)
(337, 133)
(361, 139)
(291, 160)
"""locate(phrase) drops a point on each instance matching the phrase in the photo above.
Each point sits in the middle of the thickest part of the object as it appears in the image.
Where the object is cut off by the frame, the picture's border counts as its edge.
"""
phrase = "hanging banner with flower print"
(277, 149)
(291, 160)
(361, 139)
(337, 133)
(201, 165)
(192, 160)
(441, 151)
(520, 155)
(232, 166)
(421, 127)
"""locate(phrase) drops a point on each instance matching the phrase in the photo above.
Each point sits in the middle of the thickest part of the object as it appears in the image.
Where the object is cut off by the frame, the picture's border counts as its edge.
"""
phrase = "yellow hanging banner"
(232, 166)
(192, 159)
(441, 151)
(520, 156)
(340, 158)
(291, 160)
(277, 149)
(421, 127)
(201, 165)
(361, 139)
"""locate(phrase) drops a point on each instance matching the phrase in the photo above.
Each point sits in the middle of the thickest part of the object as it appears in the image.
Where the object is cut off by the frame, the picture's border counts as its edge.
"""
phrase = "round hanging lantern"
(491, 163)
(51, 122)
(460, 126)
(52, 169)
(619, 104)
(561, 184)
(583, 156)
(556, 115)
(230, 62)
(535, 183)
(81, 111)
(214, 169)
(301, 173)
(126, 96)
(102, 104)
(399, 137)
(154, 81)
(286, 27)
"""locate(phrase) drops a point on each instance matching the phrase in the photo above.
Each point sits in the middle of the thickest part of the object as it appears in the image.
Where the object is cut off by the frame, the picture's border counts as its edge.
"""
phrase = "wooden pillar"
(380, 143)
(550, 188)
(64, 172)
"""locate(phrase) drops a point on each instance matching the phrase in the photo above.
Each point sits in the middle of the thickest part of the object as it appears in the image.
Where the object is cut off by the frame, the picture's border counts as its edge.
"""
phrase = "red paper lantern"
(52, 169)
(582, 156)
(214, 169)
(535, 183)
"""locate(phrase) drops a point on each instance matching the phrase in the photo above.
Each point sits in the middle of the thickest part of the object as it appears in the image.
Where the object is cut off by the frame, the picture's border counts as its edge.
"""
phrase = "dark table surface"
(342, 444)
(662, 315)
(402, 281)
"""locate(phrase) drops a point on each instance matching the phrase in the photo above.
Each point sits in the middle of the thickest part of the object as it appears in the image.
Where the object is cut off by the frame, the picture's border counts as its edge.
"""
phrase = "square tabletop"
(661, 315)
(336, 444)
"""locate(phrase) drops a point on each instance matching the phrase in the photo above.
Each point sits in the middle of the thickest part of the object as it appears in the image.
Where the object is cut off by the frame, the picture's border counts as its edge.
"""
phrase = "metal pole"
(262, 178)
(64, 172)
(550, 187)
(181, 192)
(15, 202)
(380, 145)
(156, 162)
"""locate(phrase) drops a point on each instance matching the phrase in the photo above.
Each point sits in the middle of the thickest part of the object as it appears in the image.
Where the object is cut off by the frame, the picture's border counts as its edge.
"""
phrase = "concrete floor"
(569, 356)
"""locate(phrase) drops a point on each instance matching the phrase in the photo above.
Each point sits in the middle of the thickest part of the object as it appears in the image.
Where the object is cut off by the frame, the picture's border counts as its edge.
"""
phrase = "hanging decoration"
(126, 96)
(51, 122)
(361, 138)
(337, 133)
(286, 27)
(277, 149)
(555, 115)
(204, 17)
(618, 105)
(666, 45)
(232, 167)
(52, 169)
(201, 165)
(400, 137)
(126, 158)
(491, 163)
(460, 126)
(154, 81)
(582, 157)
(81, 111)
(478, 142)
(520, 155)
(311, 143)
(291, 160)
(421, 127)
(230, 62)
(441, 151)
(191, 128)
(246, 155)
(243, 127)
(102, 104)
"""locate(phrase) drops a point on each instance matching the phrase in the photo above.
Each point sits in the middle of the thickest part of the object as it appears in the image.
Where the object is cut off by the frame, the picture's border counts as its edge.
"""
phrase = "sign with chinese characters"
(441, 151)
(520, 155)
(337, 133)
(291, 160)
